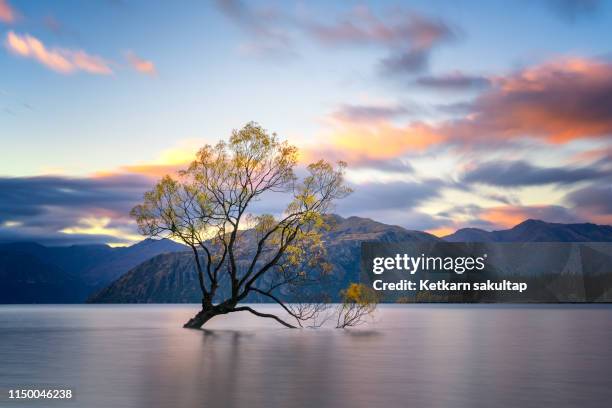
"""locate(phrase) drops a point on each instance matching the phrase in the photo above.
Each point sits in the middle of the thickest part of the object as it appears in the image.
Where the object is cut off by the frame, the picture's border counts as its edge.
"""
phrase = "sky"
(449, 114)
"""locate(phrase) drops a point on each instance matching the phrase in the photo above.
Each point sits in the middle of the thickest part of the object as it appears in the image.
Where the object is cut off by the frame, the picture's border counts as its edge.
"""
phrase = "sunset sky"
(450, 114)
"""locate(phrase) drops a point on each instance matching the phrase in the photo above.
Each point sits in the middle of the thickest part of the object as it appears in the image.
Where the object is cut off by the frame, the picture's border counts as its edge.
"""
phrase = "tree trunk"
(202, 317)
(208, 312)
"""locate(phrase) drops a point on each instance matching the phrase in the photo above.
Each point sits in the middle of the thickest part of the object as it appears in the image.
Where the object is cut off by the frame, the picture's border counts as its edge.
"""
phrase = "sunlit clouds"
(69, 60)
(362, 141)
(445, 120)
(7, 14)
(63, 210)
(559, 101)
(169, 161)
(64, 61)
(101, 226)
(140, 64)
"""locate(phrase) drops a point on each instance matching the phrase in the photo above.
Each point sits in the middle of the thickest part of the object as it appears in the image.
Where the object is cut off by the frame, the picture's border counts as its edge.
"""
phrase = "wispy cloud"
(140, 64)
(594, 201)
(557, 101)
(506, 216)
(60, 60)
(7, 13)
(361, 26)
(453, 81)
(509, 216)
(57, 209)
(520, 173)
(268, 34)
(368, 113)
(408, 36)
(361, 142)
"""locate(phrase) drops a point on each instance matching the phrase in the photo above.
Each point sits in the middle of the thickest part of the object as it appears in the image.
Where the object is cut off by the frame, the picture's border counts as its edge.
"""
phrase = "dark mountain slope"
(27, 279)
(171, 278)
(536, 231)
(89, 267)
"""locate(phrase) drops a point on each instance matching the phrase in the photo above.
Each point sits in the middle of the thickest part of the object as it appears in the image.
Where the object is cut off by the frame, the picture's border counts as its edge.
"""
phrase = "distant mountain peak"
(532, 221)
(532, 230)
(159, 243)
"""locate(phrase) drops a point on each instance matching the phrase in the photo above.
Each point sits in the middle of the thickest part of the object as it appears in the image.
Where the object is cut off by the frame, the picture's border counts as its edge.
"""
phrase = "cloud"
(368, 113)
(506, 216)
(509, 216)
(594, 199)
(502, 216)
(552, 103)
(385, 165)
(362, 27)
(268, 37)
(557, 101)
(7, 13)
(399, 206)
(54, 209)
(397, 195)
(169, 161)
(408, 36)
(455, 108)
(520, 173)
(363, 141)
(57, 59)
(411, 61)
(140, 64)
(454, 81)
(601, 155)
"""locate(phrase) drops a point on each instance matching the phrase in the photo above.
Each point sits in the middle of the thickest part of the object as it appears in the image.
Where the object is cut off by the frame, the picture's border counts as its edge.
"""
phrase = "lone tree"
(236, 253)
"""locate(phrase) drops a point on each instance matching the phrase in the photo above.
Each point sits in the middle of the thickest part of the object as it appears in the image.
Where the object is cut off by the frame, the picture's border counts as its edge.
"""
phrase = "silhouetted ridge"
(536, 231)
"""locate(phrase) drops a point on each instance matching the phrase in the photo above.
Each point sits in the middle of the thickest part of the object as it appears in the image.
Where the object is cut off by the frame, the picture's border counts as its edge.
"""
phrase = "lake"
(409, 356)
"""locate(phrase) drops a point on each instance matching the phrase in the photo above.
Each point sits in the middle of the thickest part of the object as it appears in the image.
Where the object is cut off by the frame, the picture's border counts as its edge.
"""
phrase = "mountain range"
(536, 231)
(161, 271)
(170, 278)
(34, 273)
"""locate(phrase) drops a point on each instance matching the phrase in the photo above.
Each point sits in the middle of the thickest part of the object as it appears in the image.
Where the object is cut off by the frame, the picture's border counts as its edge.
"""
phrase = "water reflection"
(422, 356)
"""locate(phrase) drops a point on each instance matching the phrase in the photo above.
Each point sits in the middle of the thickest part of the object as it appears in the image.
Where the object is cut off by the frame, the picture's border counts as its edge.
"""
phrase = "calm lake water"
(410, 356)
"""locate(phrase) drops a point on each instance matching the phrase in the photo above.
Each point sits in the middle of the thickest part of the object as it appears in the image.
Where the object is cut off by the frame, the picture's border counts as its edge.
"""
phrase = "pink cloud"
(558, 101)
(362, 27)
(141, 65)
(7, 14)
(57, 59)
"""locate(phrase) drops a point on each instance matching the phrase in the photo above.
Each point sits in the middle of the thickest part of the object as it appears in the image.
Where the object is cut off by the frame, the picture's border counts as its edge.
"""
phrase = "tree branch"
(268, 315)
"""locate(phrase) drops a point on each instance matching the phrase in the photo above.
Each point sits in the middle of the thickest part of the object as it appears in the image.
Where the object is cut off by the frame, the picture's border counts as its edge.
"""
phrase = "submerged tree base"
(199, 319)
(205, 315)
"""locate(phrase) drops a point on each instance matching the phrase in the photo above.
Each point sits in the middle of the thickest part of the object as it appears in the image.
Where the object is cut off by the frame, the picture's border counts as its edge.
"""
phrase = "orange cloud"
(601, 153)
(509, 216)
(504, 217)
(155, 170)
(141, 65)
(441, 232)
(169, 161)
(362, 141)
(7, 14)
(558, 101)
(59, 60)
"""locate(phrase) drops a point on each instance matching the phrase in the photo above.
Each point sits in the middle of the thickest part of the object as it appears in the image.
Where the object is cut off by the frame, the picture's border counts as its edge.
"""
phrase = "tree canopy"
(207, 206)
